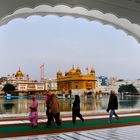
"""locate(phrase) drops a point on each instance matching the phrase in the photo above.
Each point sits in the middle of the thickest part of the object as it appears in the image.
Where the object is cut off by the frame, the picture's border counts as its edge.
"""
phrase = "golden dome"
(74, 71)
(66, 73)
(92, 70)
(19, 73)
(78, 70)
(59, 72)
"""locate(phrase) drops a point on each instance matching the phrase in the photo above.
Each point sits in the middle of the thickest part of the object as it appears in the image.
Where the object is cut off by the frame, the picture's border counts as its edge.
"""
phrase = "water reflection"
(8, 105)
(22, 105)
(129, 101)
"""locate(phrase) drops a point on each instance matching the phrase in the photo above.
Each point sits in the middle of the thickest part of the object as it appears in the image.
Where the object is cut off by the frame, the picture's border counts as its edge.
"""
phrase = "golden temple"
(74, 80)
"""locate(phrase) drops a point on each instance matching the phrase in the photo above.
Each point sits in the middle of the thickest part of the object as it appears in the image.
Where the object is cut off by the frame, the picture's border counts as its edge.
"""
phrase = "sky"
(61, 42)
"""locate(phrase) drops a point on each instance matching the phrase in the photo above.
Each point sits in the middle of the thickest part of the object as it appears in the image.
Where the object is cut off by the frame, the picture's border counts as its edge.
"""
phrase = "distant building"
(51, 84)
(23, 83)
(115, 83)
(103, 80)
(2, 79)
(19, 77)
(75, 81)
(2, 83)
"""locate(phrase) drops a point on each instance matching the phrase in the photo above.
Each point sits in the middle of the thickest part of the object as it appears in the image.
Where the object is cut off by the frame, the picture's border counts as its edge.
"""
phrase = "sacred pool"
(21, 105)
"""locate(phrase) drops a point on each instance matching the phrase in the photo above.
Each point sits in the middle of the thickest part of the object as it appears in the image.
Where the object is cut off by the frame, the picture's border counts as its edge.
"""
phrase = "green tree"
(122, 88)
(8, 88)
(127, 88)
(132, 89)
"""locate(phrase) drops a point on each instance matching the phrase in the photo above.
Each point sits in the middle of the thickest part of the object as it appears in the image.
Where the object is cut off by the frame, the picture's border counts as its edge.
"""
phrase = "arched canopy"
(122, 14)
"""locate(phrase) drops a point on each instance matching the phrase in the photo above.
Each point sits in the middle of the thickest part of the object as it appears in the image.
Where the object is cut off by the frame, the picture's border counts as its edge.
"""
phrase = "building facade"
(51, 84)
(76, 82)
(23, 83)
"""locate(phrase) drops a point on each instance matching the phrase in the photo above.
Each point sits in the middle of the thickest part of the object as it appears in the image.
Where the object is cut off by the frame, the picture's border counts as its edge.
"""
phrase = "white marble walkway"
(67, 119)
(66, 116)
(119, 133)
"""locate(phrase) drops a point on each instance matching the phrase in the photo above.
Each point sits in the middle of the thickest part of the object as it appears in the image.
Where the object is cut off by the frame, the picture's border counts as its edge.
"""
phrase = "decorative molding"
(120, 8)
(135, 1)
(121, 14)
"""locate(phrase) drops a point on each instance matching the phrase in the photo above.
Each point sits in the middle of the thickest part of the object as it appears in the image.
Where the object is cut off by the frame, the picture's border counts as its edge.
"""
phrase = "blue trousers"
(112, 112)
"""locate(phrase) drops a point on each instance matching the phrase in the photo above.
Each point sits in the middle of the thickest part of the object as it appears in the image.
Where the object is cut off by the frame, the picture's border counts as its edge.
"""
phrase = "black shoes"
(83, 120)
(117, 118)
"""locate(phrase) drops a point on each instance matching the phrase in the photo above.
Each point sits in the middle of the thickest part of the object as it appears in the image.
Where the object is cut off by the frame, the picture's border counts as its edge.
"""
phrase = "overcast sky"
(62, 42)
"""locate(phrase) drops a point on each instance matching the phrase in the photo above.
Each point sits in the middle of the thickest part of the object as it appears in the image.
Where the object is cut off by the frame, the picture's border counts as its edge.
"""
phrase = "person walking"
(47, 101)
(112, 106)
(33, 115)
(76, 109)
(54, 111)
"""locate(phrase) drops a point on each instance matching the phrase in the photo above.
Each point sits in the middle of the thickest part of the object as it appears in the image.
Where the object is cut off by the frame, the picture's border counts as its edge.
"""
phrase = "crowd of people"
(53, 109)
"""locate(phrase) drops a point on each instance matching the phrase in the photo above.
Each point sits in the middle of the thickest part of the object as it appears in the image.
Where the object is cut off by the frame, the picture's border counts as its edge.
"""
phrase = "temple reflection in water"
(18, 106)
(22, 105)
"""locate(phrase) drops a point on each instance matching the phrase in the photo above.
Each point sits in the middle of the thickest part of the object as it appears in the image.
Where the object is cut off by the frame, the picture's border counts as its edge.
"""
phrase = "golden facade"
(75, 80)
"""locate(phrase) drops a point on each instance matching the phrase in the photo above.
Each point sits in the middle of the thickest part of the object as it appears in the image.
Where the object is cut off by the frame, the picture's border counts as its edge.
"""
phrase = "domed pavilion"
(76, 82)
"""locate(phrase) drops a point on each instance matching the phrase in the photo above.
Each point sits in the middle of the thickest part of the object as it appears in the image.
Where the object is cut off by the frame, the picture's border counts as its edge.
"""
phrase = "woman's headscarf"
(54, 104)
(34, 103)
(48, 96)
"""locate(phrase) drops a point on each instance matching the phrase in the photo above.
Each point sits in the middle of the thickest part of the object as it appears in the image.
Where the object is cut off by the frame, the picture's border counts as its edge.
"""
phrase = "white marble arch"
(121, 14)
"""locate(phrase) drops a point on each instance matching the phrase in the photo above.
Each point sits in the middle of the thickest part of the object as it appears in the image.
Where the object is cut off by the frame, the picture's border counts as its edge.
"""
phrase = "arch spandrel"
(122, 14)
(129, 9)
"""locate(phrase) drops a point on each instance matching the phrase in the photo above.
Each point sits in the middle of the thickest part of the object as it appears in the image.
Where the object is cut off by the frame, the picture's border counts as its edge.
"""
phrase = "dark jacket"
(113, 102)
(76, 106)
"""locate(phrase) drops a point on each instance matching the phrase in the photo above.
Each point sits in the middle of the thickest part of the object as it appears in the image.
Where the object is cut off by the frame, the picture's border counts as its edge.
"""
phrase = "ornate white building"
(23, 83)
(51, 84)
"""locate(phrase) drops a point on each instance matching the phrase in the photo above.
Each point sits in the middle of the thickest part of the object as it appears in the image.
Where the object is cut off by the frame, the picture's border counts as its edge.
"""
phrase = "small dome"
(66, 73)
(19, 73)
(78, 69)
(92, 70)
(59, 72)
(72, 71)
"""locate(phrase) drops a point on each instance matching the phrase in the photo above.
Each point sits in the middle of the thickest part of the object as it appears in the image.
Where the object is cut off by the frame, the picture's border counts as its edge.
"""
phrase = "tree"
(8, 88)
(132, 89)
(127, 88)
(122, 88)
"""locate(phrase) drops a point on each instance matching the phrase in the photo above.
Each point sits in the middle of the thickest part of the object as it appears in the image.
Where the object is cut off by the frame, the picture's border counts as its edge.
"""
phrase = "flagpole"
(41, 72)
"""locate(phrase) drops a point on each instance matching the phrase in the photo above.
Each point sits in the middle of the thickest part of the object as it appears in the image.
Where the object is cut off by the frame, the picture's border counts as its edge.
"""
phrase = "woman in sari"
(33, 116)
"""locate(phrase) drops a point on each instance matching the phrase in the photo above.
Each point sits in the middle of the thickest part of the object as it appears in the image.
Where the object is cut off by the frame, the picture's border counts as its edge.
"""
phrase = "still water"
(21, 105)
